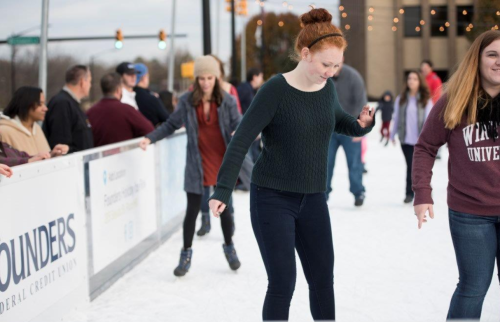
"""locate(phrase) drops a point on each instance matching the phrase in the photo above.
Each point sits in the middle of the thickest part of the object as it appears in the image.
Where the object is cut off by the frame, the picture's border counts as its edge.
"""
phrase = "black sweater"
(296, 129)
(150, 106)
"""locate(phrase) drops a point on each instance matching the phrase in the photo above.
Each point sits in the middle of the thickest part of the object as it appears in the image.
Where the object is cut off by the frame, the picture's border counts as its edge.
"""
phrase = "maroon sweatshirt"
(473, 165)
(112, 121)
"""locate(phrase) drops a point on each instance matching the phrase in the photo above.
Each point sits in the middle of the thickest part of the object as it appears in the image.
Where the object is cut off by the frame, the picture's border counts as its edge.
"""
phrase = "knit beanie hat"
(206, 65)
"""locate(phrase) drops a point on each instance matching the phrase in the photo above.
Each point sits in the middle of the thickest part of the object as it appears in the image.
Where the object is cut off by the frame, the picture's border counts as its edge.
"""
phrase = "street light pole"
(243, 49)
(207, 39)
(233, 40)
(171, 61)
(42, 73)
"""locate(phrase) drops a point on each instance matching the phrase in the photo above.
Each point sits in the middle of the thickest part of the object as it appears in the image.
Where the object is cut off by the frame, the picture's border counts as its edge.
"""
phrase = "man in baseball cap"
(129, 77)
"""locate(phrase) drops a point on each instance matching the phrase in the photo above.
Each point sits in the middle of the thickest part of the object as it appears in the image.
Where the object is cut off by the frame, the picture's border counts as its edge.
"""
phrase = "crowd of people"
(279, 141)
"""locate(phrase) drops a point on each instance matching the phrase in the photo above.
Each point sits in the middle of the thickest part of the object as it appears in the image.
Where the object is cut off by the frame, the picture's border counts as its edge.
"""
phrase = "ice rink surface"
(385, 268)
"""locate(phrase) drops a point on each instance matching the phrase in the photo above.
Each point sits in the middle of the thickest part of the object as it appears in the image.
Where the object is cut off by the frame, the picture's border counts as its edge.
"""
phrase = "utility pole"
(207, 39)
(42, 73)
(233, 40)
(243, 49)
(263, 46)
(171, 61)
(13, 68)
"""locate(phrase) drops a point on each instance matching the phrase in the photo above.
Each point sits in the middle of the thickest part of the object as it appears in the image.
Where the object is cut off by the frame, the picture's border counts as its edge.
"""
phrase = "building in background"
(388, 38)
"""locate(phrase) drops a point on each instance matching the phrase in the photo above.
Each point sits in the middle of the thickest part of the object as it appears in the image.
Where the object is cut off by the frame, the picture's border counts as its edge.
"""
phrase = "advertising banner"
(42, 239)
(122, 203)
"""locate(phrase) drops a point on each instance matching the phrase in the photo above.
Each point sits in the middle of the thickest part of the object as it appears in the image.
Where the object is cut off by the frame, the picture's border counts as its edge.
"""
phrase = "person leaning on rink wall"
(467, 118)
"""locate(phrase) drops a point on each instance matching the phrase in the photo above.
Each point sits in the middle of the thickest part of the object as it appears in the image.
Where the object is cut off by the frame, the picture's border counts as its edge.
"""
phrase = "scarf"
(488, 115)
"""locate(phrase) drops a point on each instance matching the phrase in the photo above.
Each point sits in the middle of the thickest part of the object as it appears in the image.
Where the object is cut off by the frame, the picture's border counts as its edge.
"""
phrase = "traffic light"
(119, 39)
(242, 8)
(162, 36)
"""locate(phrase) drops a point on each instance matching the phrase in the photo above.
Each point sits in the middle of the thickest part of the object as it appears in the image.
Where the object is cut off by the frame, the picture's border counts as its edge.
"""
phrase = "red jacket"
(435, 86)
(113, 121)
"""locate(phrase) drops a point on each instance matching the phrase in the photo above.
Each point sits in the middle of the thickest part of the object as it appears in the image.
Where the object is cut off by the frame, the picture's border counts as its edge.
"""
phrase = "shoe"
(382, 138)
(365, 171)
(184, 262)
(231, 256)
(205, 224)
(358, 202)
(408, 199)
(386, 142)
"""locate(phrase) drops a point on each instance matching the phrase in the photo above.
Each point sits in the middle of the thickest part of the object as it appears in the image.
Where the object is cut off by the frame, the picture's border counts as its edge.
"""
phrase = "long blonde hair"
(464, 87)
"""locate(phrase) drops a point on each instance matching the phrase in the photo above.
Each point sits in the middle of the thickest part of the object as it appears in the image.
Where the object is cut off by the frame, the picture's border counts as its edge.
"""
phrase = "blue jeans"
(282, 223)
(477, 243)
(353, 154)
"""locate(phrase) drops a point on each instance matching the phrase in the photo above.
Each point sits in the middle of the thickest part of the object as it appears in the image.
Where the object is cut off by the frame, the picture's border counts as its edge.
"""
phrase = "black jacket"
(387, 108)
(66, 123)
(150, 106)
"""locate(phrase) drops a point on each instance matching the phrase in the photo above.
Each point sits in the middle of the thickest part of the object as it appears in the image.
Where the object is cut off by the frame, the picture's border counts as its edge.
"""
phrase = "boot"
(359, 200)
(231, 256)
(184, 262)
(205, 224)
(408, 199)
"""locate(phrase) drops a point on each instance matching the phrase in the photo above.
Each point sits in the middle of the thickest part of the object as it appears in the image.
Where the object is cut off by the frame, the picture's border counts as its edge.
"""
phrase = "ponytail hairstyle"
(317, 24)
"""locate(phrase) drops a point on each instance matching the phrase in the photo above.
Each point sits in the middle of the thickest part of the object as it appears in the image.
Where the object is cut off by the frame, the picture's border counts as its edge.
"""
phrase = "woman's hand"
(144, 143)
(6, 170)
(58, 150)
(365, 119)
(40, 156)
(420, 212)
(217, 207)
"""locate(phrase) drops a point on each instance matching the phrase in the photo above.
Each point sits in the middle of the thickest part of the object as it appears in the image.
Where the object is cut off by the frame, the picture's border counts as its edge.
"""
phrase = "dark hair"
(75, 73)
(221, 66)
(166, 98)
(217, 94)
(423, 90)
(317, 23)
(252, 72)
(25, 99)
(110, 83)
(428, 62)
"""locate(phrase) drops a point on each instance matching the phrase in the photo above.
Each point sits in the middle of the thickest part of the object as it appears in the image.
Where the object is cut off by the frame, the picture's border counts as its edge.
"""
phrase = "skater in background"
(410, 111)
(210, 116)
(296, 113)
(467, 118)
(386, 107)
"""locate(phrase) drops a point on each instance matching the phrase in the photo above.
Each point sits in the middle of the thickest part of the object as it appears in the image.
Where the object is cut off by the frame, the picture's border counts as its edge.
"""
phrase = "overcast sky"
(78, 18)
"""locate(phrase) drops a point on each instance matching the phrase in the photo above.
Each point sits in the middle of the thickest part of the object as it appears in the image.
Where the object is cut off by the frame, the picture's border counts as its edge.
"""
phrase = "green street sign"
(23, 40)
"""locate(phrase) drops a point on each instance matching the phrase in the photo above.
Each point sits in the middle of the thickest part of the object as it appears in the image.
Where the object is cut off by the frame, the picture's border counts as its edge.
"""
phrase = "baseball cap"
(126, 68)
(141, 70)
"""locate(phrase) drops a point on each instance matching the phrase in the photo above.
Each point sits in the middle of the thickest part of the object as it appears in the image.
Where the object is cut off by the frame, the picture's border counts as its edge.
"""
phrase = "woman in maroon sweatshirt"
(467, 118)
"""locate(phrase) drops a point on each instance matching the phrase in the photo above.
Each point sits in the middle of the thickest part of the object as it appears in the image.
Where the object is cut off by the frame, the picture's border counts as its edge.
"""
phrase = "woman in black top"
(297, 113)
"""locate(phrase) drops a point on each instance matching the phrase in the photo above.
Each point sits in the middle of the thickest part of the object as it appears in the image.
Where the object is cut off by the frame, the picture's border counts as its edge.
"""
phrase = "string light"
(433, 12)
(285, 4)
(441, 28)
(262, 4)
(281, 23)
(259, 22)
(372, 10)
(394, 28)
(496, 27)
(468, 29)
(341, 8)
(344, 15)
(290, 7)
(370, 28)
(422, 22)
(370, 17)
(447, 24)
(396, 20)
(417, 29)
(347, 27)
(464, 12)
(401, 11)
(471, 26)
(498, 13)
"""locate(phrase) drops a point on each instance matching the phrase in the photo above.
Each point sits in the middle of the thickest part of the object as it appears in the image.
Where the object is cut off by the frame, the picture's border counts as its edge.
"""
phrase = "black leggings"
(408, 152)
(193, 208)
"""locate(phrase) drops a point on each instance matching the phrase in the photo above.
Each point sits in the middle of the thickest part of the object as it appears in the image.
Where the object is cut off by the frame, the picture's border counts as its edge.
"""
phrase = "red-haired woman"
(297, 113)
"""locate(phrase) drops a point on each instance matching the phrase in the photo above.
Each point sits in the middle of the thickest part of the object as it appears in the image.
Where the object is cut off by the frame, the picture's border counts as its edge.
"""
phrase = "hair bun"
(316, 16)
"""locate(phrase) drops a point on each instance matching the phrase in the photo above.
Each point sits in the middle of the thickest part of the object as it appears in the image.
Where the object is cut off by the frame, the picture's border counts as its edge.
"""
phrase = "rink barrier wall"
(85, 219)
